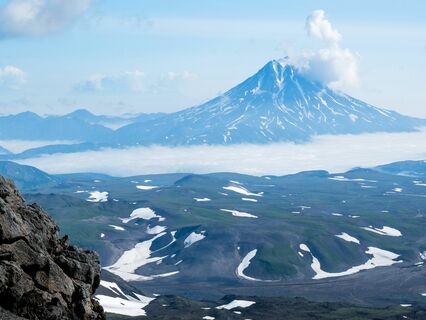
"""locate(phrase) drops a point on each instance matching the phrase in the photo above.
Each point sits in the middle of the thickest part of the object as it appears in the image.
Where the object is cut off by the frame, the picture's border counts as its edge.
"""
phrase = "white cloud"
(184, 75)
(137, 81)
(332, 65)
(125, 81)
(319, 27)
(38, 17)
(332, 153)
(12, 77)
(176, 83)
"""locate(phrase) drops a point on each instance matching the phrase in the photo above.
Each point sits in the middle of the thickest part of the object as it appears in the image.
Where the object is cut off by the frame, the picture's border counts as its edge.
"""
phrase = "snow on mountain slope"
(278, 103)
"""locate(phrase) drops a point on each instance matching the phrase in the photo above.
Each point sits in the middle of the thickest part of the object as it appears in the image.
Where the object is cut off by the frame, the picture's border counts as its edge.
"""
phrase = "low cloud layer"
(332, 65)
(12, 77)
(332, 153)
(38, 17)
(128, 80)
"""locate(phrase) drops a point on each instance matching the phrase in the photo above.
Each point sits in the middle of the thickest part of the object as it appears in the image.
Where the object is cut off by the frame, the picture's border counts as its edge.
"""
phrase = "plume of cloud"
(12, 77)
(332, 65)
(319, 27)
(38, 17)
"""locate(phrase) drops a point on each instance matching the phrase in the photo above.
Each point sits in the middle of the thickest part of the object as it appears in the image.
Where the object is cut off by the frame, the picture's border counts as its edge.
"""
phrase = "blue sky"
(114, 57)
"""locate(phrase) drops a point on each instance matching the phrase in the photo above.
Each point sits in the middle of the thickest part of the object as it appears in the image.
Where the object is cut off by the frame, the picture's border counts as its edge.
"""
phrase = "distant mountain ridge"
(408, 168)
(278, 103)
(79, 125)
(30, 126)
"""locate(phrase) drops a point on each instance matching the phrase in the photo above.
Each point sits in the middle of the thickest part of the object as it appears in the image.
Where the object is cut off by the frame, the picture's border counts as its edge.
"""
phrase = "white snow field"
(242, 190)
(155, 229)
(381, 258)
(142, 187)
(245, 264)
(97, 196)
(237, 213)
(347, 237)
(116, 227)
(342, 178)
(202, 199)
(131, 260)
(193, 238)
(142, 213)
(385, 231)
(126, 304)
(237, 304)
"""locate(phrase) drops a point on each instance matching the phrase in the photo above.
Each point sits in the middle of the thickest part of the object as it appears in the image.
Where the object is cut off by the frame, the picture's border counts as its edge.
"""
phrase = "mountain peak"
(27, 115)
(279, 66)
(273, 76)
(80, 113)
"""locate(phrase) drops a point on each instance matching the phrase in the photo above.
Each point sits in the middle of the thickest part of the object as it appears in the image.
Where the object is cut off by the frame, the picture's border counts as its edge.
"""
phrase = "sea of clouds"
(331, 153)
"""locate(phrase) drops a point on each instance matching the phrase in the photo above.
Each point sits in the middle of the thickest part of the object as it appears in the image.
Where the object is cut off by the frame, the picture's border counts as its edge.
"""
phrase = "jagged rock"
(41, 275)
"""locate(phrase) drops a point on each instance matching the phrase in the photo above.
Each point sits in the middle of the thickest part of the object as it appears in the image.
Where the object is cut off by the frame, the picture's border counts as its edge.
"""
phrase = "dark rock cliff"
(41, 275)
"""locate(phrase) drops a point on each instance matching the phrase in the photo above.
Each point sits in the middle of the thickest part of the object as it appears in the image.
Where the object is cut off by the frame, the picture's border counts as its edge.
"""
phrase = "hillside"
(228, 233)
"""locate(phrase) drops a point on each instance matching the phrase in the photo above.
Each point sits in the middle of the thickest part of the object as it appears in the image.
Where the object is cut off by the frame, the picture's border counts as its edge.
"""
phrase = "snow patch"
(116, 227)
(155, 229)
(193, 238)
(342, 178)
(237, 213)
(142, 213)
(202, 199)
(142, 187)
(126, 304)
(245, 264)
(381, 258)
(242, 190)
(131, 260)
(353, 117)
(385, 231)
(97, 196)
(347, 237)
(237, 304)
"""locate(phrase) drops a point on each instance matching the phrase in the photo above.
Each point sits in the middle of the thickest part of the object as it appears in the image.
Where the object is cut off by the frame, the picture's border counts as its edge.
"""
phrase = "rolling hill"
(313, 234)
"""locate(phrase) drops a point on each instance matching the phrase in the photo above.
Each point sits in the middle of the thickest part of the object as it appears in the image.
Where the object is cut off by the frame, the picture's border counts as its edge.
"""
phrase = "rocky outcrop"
(41, 275)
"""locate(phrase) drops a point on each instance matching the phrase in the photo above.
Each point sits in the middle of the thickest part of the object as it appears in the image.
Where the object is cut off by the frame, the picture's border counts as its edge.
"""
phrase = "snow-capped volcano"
(278, 103)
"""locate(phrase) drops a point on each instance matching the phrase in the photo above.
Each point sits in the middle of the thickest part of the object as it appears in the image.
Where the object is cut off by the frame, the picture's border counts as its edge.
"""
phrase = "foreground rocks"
(41, 275)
